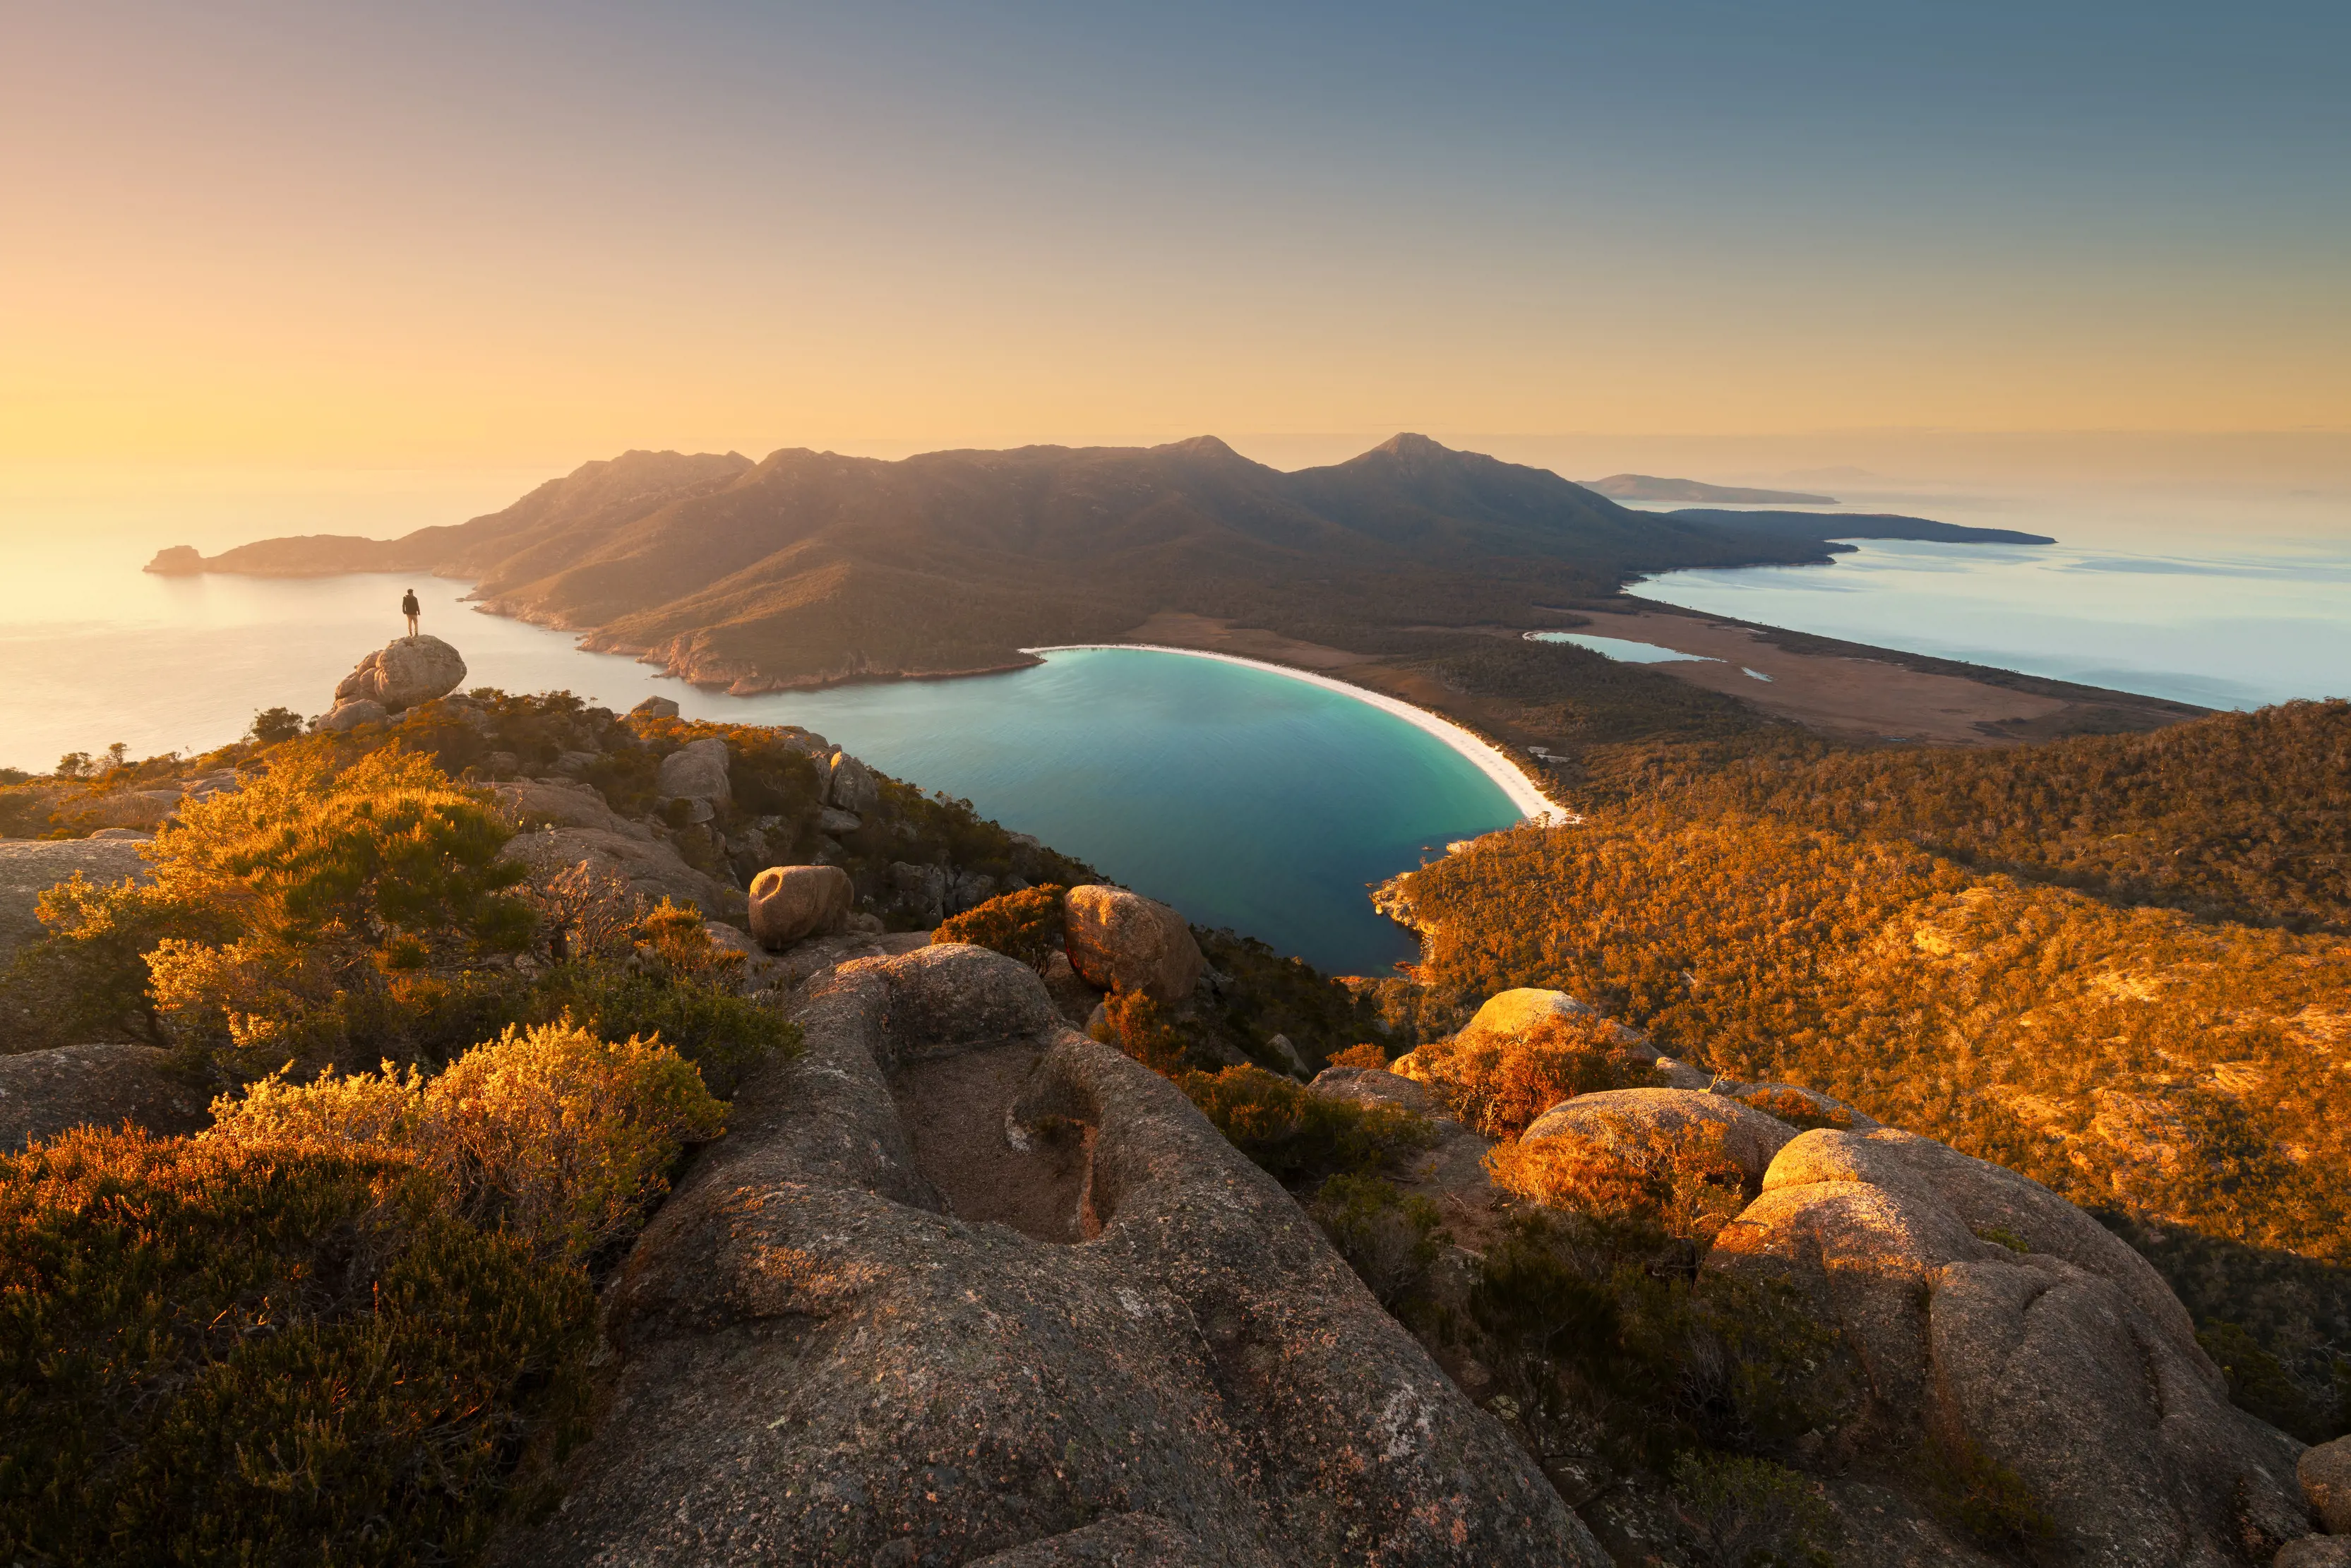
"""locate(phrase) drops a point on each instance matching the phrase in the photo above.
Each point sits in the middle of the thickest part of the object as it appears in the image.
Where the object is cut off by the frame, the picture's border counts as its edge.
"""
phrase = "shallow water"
(1623, 650)
(1245, 798)
(2235, 625)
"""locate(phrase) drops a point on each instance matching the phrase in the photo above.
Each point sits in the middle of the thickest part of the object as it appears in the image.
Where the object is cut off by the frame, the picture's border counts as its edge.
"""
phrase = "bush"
(1298, 1135)
(1751, 1513)
(217, 1352)
(1799, 1110)
(1028, 925)
(337, 882)
(1365, 1055)
(1985, 1498)
(1139, 1027)
(1608, 1347)
(1388, 1238)
(1684, 1186)
(561, 1138)
(1500, 1083)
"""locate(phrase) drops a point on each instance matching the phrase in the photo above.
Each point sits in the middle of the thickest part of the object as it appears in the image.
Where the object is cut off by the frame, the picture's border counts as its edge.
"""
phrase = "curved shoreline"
(1481, 753)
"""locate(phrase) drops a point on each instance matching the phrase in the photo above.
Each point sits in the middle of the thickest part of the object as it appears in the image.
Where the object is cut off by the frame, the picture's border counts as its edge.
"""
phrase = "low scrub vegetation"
(220, 1351)
(1499, 1083)
(551, 1135)
(2173, 1065)
(1028, 925)
(1301, 1137)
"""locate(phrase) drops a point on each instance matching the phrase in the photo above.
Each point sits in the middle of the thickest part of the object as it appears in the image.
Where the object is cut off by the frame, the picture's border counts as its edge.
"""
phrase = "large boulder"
(1989, 1314)
(654, 708)
(403, 672)
(2325, 1475)
(353, 712)
(2314, 1552)
(1643, 1121)
(850, 785)
(1522, 1010)
(959, 1282)
(1123, 941)
(697, 772)
(792, 902)
(561, 803)
(28, 868)
(44, 1093)
(646, 865)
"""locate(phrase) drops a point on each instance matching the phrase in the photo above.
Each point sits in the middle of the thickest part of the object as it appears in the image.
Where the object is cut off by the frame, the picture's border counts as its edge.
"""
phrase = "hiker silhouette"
(410, 608)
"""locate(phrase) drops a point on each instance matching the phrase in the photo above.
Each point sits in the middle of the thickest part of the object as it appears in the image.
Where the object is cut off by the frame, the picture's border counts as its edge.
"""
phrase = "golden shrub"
(1499, 1083)
(561, 1137)
(1683, 1182)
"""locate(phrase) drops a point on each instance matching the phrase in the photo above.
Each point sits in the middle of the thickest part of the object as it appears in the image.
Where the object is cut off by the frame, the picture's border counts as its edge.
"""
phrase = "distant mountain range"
(1650, 488)
(810, 568)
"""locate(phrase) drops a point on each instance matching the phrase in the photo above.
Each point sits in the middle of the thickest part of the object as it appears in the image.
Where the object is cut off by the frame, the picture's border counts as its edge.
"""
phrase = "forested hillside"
(2240, 816)
(2116, 964)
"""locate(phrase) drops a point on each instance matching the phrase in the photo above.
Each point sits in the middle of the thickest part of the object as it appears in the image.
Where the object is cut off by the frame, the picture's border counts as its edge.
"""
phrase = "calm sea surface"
(1245, 799)
(2197, 616)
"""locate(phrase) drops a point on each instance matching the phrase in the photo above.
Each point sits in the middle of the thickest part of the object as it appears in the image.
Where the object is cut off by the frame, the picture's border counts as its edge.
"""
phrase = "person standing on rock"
(410, 608)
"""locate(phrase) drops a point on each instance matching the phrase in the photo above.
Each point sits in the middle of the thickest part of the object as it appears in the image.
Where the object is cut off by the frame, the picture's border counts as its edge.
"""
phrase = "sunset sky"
(525, 234)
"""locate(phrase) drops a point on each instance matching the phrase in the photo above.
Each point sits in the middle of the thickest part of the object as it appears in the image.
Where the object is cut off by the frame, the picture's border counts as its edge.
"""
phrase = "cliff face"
(809, 567)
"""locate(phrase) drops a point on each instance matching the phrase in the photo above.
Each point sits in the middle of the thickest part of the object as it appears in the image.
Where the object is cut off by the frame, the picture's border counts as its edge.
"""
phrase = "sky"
(288, 239)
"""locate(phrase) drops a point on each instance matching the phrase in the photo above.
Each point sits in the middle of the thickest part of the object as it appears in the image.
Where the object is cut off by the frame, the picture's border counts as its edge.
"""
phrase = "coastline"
(1481, 753)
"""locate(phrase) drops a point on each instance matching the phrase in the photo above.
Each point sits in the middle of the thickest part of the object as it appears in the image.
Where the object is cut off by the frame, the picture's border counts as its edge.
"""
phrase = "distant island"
(1857, 525)
(1651, 487)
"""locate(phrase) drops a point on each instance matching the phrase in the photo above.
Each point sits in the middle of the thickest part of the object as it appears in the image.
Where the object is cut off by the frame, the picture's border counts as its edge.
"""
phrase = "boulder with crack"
(1989, 1314)
(960, 1285)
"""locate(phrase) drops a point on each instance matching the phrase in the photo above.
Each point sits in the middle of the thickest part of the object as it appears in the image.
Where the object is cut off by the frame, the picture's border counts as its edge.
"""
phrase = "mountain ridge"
(807, 568)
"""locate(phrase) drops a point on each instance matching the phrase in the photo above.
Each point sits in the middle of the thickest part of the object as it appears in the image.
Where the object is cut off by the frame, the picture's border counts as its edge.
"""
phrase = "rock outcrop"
(2325, 1472)
(791, 902)
(654, 708)
(177, 561)
(696, 774)
(403, 672)
(961, 1286)
(1123, 941)
(44, 1093)
(646, 865)
(1637, 1120)
(28, 868)
(850, 785)
(351, 713)
(1989, 1312)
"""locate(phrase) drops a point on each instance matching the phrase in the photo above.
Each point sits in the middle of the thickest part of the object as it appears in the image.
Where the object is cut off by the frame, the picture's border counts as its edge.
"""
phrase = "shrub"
(1683, 1185)
(217, 1352)
(1983, 1497)
(1139, 1027)
(1500, 1083)
(551, 1134)
(273, 725)
(1607, 1346)
(1799, 1110)
(1751, 1513)
(336, 882)
(1388, 1238)
(1298, 1135)
(1364, 1055)
(1027, 924)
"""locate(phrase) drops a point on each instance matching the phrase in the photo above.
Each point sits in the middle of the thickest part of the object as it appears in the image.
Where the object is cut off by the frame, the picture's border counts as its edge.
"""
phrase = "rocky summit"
(961, 1282)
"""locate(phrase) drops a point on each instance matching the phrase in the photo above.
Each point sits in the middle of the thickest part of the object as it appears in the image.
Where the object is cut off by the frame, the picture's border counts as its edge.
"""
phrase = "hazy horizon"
(520, 236)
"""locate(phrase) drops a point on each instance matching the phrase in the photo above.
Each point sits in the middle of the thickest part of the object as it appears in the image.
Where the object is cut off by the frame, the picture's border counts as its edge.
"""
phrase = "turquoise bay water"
(1244, 798)
(2223, 624)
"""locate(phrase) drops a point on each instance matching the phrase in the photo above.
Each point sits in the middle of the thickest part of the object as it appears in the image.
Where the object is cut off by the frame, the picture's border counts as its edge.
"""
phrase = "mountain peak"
(1406, 445)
